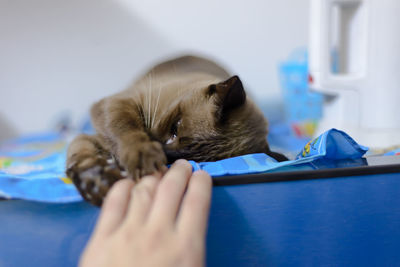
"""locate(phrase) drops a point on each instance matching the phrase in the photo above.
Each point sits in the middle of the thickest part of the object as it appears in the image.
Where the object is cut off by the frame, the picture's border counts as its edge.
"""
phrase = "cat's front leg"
(121, 121)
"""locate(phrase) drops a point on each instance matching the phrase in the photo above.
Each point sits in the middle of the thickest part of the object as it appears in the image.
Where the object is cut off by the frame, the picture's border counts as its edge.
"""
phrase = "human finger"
(114, 207)
(193, 216)
(142, 199)
(169, 193)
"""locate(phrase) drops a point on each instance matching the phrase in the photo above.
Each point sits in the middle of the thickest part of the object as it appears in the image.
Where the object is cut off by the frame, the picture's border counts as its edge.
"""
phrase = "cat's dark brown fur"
(188, 108)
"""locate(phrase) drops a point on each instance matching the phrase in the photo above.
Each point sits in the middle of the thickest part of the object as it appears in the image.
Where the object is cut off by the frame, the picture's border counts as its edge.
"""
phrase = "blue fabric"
(33, 167)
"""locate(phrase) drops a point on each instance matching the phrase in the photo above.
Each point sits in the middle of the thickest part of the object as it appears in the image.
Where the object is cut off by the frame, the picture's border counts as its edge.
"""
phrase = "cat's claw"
(93, 177)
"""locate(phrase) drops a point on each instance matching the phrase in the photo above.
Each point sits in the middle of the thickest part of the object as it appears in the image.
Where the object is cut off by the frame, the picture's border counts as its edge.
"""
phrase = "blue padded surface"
(353, 221)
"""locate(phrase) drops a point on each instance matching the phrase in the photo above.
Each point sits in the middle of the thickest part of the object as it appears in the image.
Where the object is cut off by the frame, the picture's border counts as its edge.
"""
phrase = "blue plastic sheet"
(33, 168)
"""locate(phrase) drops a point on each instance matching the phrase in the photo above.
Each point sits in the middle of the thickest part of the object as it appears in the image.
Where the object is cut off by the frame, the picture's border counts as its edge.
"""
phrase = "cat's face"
(212, 123)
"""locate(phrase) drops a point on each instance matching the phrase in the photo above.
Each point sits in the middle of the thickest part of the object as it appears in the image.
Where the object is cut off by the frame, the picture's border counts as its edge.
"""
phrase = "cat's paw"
(141, 159)
(93, 177)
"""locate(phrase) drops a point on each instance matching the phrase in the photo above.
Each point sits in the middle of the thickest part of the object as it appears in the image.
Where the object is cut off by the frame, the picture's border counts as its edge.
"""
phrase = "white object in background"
(354, 60)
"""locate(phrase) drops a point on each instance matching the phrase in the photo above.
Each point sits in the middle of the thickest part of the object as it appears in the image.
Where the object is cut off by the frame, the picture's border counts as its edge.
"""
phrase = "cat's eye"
(174, 132)
(171, 140)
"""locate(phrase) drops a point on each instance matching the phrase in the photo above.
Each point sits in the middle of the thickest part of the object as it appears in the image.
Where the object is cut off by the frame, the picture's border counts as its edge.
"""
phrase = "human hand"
(153, 223)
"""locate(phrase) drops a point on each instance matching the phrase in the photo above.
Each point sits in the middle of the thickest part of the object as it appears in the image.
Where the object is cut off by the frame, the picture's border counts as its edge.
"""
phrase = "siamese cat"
(187, 107)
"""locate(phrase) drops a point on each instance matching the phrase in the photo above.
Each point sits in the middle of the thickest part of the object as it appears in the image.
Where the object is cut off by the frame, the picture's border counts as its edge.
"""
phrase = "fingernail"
(181, 162)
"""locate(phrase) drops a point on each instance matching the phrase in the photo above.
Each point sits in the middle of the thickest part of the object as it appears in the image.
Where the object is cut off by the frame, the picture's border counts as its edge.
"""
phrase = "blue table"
(350, 221)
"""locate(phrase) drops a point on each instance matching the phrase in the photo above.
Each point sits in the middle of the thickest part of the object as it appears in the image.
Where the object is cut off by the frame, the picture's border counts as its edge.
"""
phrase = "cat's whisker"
(143, 103)
(137, 99)
(149, 109)
(156, 107)
(148, 115)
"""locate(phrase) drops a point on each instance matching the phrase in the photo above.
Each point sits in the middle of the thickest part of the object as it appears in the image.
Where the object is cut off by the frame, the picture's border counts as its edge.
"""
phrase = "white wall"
(58, 55)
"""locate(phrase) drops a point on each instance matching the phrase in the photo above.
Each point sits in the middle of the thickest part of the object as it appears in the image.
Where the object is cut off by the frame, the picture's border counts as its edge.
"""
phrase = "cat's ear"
(229, 94)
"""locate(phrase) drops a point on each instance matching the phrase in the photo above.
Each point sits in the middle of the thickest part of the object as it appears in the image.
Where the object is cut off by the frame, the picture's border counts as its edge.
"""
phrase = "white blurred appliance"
(354, 60)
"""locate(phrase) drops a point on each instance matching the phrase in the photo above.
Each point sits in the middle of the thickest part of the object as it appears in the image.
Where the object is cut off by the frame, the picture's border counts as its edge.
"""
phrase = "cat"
(188, 107)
